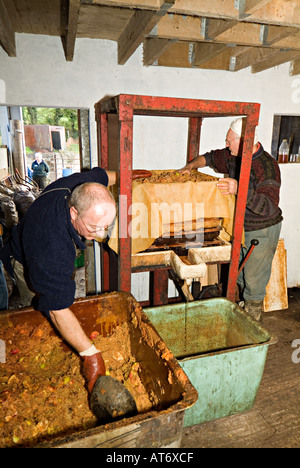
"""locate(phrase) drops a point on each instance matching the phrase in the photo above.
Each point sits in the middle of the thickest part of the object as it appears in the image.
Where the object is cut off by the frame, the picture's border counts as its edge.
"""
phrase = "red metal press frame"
(126, 106)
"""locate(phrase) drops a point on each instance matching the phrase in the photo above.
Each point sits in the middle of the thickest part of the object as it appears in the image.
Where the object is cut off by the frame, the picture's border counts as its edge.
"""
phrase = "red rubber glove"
(93, 367)
(141, 174)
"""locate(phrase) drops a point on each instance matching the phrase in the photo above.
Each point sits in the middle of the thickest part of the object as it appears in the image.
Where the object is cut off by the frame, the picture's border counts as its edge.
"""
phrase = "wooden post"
(17, 148)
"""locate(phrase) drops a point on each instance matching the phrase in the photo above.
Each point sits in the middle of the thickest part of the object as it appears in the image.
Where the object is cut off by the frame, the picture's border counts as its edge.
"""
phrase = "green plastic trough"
(221, 350)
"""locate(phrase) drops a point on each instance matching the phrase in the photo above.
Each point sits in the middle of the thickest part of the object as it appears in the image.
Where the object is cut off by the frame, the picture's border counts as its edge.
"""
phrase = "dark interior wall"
(286, 127)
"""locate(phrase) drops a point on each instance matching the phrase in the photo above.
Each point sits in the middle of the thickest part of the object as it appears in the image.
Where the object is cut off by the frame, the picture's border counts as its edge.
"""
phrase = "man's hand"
(186, 169)
(228, 186)
(196, 163)
(70, 329)
(93, 367)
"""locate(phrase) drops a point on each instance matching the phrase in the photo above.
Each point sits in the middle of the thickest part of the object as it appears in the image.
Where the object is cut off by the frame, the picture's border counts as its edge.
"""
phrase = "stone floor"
(274, 420)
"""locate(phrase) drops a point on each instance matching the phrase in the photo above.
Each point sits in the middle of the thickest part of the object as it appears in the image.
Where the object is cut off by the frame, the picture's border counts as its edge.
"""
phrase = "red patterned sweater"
(262, 209)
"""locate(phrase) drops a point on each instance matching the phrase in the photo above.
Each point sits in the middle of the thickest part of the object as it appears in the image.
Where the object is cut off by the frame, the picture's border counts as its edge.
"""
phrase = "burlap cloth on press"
(161, 208)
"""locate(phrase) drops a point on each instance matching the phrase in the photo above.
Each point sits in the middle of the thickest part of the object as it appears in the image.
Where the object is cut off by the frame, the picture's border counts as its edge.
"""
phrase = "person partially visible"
(40, 171)
(41, 251)
(3, 287)
(263, 217)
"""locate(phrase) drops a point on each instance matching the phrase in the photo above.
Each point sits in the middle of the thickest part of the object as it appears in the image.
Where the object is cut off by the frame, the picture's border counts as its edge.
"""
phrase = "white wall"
(40, 76)
(290, 232)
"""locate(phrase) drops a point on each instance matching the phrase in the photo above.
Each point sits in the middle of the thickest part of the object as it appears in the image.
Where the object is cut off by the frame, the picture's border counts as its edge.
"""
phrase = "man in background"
(40, 171)
(263, 216)
(3, 287)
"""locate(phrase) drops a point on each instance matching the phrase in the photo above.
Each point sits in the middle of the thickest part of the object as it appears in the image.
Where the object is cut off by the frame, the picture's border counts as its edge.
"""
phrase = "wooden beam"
(209, 8)
(180, 27)
(212, 28)
(7, 35)
(290, 42)
(225, 58)
(203, 52)
(279, 33)
(69, 20)
(181, 55)
(280, 12)
(231, 32)
(176, 56)
(256, 35)
(139, 26)
(138, 4)
(243, 57)
(248, 7)
(295, 67)
(206, 8)
(254, 5)
(153, 48)
(194, 29)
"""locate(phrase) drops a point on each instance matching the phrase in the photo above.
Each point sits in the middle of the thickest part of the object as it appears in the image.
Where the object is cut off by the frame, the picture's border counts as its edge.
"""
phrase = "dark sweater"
(45, 242)
(262, 208)
(39, 169)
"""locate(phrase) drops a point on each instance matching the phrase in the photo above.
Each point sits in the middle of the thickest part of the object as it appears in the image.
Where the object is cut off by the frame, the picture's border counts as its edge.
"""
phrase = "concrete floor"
(274, 420)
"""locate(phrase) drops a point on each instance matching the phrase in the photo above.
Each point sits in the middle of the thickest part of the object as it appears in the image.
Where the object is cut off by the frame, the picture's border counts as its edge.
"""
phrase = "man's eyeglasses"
(105, 229)
(230, 141)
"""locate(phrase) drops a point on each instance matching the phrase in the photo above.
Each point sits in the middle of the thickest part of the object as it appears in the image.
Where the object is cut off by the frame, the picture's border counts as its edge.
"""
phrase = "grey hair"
(89, 194)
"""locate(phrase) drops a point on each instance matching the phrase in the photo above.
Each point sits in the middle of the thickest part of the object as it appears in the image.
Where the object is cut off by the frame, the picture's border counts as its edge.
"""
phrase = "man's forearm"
(199, 161)
(70, 329)
(112, 177)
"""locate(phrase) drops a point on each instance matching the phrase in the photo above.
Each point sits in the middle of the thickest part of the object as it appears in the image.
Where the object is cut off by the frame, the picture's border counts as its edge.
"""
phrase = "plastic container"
(67, 172)
(79, 261)
(221, 349)
(159, 372)
(283, 152)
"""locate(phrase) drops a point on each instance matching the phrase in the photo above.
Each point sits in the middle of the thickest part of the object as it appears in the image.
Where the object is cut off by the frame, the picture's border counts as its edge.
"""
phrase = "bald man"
(263, 216)
(42, 249)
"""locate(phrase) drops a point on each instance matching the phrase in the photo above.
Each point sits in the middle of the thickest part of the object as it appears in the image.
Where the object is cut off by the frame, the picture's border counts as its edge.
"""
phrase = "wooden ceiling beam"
(279, 33)
(212, 28)
(153, 48)
(243, 57)
(206, 8)
(278, 59)
(176, 56)
(278, 12)
(139, 26)
(257, 35)
(203, 52)
(188, 28)
(69, 21)
(248, 7)
(185, 55)
(7, 35)
(137, 4)
(295, 67)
